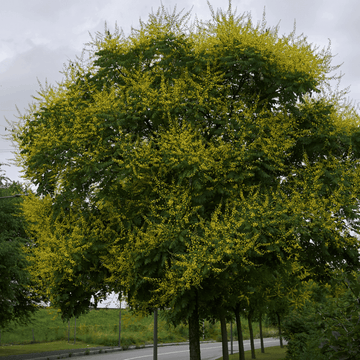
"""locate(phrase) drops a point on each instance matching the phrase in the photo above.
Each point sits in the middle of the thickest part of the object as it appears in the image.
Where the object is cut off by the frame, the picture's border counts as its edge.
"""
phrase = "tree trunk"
(251, 336)
(261, 335)
(239, 333)
(194, 333)
(225, 349)
(279, 326)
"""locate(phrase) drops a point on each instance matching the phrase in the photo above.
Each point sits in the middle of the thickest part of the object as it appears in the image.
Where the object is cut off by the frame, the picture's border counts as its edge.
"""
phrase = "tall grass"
(102, 327)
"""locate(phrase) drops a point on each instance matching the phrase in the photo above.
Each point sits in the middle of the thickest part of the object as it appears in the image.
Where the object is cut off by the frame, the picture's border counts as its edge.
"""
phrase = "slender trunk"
(75, 331)
(279, 325)
(155, 336)
(251, 336)
(194, 334)
(225, 349)
(261, 335)
(239, 333)
(120, 325)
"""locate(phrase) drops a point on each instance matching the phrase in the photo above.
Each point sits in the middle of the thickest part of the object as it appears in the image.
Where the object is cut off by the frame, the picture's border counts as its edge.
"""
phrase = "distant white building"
(111, 302)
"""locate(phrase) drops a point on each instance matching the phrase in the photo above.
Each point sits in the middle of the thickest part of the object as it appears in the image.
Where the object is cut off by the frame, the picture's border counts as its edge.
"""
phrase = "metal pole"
(231, 336)
(75, 331)
(155, 335)
(120, 324)
(68, 330)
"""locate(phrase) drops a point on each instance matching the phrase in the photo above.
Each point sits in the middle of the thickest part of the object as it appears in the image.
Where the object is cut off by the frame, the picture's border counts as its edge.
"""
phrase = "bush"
(342, 321)
(300, 328)
(327, 328)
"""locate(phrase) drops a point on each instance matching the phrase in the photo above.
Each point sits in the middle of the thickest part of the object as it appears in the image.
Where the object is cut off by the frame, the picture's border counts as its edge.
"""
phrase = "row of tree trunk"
(194, 335)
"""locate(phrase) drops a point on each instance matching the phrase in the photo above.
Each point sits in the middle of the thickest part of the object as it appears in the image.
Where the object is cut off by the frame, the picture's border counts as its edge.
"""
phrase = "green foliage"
(327, 327)
(76, 266)
(302, 330)
(342, 322)
(178, 164)
(18, 298)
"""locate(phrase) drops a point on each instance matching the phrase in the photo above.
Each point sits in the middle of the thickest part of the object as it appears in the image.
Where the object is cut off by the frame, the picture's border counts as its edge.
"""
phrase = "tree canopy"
(178, 157)
(18, 297)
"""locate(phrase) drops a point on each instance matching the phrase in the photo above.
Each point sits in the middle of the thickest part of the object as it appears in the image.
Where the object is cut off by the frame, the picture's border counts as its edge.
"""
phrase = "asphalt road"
(209, 351)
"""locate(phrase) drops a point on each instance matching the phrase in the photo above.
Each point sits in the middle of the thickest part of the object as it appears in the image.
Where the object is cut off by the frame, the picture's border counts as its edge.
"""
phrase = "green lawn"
(271, 353)
(101, 327)
(49, 346)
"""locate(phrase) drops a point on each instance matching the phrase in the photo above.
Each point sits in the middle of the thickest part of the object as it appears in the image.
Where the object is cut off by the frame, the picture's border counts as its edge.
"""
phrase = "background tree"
(18, 296)
(72, 245)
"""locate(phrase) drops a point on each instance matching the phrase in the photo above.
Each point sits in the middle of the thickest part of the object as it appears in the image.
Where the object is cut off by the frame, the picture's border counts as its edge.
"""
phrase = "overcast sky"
(38, 36)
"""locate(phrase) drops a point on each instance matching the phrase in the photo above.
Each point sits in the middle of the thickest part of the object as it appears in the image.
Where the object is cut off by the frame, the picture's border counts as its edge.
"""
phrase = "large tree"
(18, 297)
(183, 156)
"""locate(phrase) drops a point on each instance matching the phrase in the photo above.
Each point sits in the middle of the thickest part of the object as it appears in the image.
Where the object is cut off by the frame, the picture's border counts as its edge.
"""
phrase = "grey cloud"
(38, 36)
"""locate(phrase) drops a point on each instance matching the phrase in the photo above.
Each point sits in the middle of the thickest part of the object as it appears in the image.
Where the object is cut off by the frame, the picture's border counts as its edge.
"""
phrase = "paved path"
(209, 351)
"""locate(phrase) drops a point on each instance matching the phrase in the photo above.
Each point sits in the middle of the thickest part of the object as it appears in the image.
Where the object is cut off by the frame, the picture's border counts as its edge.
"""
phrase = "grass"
(41, 347)
(271, 353)
(101, 327)
(97, 327)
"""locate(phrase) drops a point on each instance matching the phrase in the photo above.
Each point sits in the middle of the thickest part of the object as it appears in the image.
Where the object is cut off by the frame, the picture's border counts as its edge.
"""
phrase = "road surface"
(209, 351)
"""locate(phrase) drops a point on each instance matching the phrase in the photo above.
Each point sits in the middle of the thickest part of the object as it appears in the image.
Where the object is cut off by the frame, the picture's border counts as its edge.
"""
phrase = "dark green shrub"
(300, 328)
(342, 322)
(326, 328)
